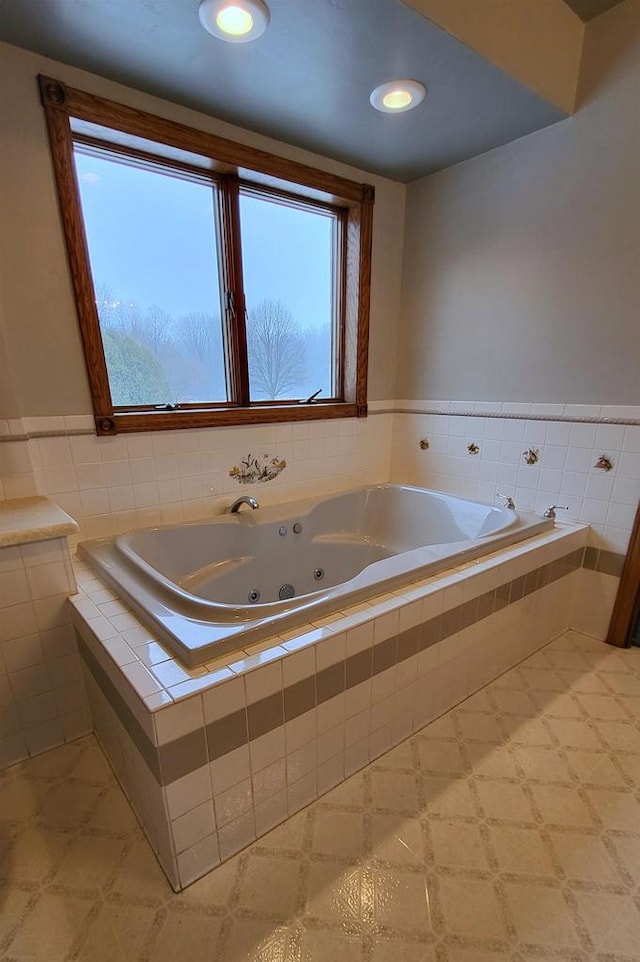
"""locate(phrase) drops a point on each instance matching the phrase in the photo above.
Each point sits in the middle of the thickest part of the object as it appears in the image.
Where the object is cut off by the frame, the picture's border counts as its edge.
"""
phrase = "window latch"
(166, 407)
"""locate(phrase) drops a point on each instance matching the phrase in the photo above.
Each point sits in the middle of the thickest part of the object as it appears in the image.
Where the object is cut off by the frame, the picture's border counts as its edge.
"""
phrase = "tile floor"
(509, 829)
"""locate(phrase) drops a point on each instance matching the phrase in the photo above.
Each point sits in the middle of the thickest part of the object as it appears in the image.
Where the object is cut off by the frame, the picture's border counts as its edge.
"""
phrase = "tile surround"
(42, 699)
(265, 740)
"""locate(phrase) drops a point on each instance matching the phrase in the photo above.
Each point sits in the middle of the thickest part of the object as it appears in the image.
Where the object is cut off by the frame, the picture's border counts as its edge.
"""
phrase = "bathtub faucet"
(508, 501)
(245, 499)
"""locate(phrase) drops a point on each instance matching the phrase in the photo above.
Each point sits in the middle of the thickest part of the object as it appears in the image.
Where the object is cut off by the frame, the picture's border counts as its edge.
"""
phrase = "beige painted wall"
(521, 268)
(538, 42)
(39, 322)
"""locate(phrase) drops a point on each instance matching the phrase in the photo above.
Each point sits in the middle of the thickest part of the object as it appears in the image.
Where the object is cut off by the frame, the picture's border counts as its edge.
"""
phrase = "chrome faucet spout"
(245, 499)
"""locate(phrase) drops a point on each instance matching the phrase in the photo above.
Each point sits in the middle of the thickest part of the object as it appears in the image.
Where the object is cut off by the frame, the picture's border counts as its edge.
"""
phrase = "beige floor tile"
(544, 764)
(50, 928)
(91, 766)
(541, 916)
(631, 704)
(458, 845)
(557, 705)
(526, 731)
(402, 900)
(601, 707)
(214, 890)
(448, 796)
(504, 801)
(338, 833)
(538, 679)
(398, 758)
(479, 701)
(397, 840)
(492, 761)
(34, 854)
(630, 765)
(616, 810)
(441, 756)
(69, 804)
(612, 922)
(628, 852)
(140, 876)
(394, 792)
(89, 863)
(584, 857)
(512, 701)
(270, 886)
(471, 909)
(290, 835)
(252, 940)
(394, 951)
(187, 935)
(578, 681)
(561, 806)
(350, 794)
(624, 684)
(318, 946)
(440, 728)
(460, 954)
(573, 734)
(595, 768)
(510, 679)
(57, 765)
(619, 736)
(113, 815)
(479, 727)
(336, 894)
(15, 904)
(520, 851)
(116, 933)
(22, 798)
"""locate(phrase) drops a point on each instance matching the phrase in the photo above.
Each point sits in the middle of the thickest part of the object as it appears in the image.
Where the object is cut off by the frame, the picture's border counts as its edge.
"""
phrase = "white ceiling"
(306, 81)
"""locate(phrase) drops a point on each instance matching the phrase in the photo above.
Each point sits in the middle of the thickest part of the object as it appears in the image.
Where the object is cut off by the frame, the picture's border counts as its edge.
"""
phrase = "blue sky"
(152, 241)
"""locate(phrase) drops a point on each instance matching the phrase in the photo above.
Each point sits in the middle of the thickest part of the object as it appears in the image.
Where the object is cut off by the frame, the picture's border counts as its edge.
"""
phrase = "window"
(215, 284)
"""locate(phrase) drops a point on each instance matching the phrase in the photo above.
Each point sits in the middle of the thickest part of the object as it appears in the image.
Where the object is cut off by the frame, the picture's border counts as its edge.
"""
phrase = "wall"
(520, 274)
(40, 322)
(539, 43)
(519, 310)
(42, 698)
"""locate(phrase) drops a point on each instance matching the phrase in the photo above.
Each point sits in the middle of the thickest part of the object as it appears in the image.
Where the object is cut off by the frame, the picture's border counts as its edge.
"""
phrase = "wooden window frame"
(228, 161)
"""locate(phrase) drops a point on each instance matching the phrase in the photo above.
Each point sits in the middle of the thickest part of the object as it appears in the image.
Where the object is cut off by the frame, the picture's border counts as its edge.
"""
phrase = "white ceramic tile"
(188, 792)
(263, 681)
(178, 720)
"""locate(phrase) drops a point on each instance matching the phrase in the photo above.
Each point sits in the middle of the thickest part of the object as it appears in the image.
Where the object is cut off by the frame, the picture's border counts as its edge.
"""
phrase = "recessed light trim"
(236, 21)
(397, 96)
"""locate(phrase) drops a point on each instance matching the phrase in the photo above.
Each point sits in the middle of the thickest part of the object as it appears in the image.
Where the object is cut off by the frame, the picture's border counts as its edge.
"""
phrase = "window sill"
(122, 422)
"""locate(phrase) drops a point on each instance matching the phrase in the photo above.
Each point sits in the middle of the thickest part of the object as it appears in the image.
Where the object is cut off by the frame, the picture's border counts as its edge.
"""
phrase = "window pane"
(153, 251)
(288, 257)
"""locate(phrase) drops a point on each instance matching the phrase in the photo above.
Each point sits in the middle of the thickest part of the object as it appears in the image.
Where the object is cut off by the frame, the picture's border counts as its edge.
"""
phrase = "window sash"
(233, 167)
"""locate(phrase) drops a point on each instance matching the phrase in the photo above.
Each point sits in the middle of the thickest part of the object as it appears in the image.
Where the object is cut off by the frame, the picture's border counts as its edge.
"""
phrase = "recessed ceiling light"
(397, 96)
(236, 21)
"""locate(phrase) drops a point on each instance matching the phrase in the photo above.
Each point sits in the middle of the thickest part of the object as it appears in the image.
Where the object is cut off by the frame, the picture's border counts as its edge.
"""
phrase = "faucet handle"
(551, 512)
(508, 501)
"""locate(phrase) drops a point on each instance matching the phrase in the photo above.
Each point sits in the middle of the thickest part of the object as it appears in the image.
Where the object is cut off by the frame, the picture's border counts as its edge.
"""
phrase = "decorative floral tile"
(257, 469)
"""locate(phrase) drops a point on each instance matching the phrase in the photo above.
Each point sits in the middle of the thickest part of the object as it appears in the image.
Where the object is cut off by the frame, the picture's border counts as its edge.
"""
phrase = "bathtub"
(211, 587)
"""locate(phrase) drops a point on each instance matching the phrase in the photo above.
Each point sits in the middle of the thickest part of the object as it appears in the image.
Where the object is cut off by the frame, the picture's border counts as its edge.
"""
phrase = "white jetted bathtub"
(210, 587)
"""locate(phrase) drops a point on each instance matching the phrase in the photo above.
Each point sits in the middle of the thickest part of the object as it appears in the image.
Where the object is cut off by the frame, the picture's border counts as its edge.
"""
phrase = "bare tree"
(195, 331)
(156, 329)
(277, 355)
